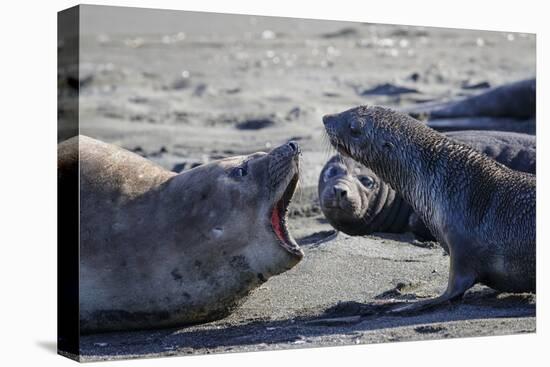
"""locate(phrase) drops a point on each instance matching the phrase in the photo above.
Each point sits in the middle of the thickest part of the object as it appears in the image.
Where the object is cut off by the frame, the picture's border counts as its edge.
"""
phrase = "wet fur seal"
(480, 210)
(160, 249)
(508, 107)
(357, 202)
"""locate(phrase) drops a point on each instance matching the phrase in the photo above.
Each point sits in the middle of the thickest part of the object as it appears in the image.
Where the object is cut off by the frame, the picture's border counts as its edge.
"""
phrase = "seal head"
(250, 196)
(355, 201)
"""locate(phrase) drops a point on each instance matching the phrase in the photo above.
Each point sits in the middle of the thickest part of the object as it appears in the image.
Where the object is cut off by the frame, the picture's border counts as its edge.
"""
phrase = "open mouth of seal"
(279, 216)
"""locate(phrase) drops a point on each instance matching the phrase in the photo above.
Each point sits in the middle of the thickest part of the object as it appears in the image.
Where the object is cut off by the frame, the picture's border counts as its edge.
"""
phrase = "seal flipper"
(461, 278)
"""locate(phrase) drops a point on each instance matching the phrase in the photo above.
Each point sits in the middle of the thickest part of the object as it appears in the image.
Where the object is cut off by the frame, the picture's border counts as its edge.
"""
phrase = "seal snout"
(333, 129)
(293, 150)
(337, 196)
(340, 192)
(329, 119)
(294, 147)
(289, 150)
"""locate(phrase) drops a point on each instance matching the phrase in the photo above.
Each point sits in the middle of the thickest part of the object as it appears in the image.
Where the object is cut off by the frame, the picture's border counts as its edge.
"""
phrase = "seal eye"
(239, 172)
(366, 181)
(330, 173)
(355, 128)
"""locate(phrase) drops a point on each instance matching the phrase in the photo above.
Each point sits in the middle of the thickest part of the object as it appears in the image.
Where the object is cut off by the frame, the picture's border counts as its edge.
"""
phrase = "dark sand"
(211, 92)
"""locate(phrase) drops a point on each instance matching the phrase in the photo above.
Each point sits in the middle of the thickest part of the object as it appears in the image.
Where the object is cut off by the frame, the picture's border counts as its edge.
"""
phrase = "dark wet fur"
(388, 212)
(481, 210)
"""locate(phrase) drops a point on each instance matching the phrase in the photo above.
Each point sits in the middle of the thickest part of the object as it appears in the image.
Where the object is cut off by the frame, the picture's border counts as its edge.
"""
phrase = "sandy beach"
(190, 88)
(336, 296)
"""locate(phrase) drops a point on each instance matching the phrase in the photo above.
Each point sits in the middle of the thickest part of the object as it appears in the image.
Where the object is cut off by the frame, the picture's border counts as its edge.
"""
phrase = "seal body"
(356, 201)
(160, 249)
(509, 107)
(480, 210)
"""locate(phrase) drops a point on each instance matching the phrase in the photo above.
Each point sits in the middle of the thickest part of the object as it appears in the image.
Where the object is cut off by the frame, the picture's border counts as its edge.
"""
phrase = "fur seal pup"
(357, 202)
(160, 249)
(482, 211)
(509, 107)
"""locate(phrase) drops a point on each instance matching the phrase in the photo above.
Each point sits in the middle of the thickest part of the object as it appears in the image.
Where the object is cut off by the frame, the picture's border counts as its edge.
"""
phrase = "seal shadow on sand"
(344, 318)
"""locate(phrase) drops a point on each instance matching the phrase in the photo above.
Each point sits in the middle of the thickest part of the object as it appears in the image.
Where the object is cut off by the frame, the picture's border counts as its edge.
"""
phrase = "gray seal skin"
(356, 201)
(509, 107)
(515, 100)
(160, 249)
(480, 210)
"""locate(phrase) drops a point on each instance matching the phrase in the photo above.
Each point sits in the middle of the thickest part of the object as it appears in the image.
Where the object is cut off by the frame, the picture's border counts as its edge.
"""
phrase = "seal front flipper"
(461, 278)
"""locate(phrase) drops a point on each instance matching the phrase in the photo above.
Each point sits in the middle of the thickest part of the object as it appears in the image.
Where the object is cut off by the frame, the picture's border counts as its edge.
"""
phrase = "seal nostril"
(339, 192)
(293, 145)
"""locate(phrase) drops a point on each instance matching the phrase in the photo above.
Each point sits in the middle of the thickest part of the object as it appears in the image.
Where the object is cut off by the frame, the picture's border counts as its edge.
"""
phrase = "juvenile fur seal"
(356, 201)
(480, 210)
(161, 249)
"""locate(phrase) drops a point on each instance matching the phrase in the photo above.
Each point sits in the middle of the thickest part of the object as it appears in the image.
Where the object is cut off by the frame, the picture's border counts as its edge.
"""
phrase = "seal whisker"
(327, 146)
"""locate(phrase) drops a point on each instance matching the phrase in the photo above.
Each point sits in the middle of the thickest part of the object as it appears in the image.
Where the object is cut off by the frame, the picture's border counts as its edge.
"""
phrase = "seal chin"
(278, 219)
(343, 149)
(346, 214)
(342, 208)
(339, 145)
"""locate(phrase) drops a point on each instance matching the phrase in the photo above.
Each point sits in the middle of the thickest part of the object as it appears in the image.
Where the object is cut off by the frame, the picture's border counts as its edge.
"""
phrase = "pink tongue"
(276, 224)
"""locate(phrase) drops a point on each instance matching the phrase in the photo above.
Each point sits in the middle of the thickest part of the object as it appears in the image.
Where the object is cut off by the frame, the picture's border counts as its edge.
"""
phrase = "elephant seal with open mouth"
(160, 249)
(480, 210)
(357, 202)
